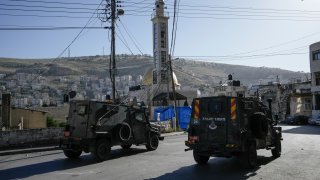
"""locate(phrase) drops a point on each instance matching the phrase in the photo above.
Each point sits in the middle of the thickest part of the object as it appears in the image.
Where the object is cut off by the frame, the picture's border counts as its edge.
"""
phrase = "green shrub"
(51, 122)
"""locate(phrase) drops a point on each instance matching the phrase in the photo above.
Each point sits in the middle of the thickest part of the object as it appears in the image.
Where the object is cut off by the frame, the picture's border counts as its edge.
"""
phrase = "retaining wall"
(30, 137)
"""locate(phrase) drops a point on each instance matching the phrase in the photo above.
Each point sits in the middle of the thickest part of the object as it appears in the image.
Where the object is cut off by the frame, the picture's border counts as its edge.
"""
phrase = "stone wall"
(30, 137)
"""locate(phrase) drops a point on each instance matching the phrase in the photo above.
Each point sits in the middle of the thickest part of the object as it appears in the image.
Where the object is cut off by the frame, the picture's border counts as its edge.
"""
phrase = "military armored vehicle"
(232, 126)
(97, 126)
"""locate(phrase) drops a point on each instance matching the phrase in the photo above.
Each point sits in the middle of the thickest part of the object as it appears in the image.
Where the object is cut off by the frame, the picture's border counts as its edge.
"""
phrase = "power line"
(43, 16)
(54, 2)
(45, 28)
(241, 58)
(235, 18)
(50, 7)
(46, 11)
(124, 41)
(74, 39)
(131, 37)
(277, 45)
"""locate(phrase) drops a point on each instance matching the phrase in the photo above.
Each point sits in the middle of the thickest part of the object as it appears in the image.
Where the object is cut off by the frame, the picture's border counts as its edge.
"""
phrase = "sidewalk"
(173, 134)
(28, 150)
(55, 147)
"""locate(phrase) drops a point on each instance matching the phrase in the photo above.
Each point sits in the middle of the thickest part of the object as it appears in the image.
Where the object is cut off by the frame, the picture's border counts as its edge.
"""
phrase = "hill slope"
(190, 73)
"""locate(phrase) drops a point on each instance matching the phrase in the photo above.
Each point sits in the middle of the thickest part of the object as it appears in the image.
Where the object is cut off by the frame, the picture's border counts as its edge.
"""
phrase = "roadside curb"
(52, 148)
(172, 134)
(28, 150)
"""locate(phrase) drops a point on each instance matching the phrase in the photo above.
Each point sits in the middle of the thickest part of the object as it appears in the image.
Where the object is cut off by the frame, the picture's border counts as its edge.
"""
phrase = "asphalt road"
(300, 160)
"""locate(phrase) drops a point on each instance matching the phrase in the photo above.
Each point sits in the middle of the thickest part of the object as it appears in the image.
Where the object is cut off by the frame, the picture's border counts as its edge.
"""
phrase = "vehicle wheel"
(103, 150)
(200, 159)
(126, 146)
(72, 154)
(249, 158)
(276, 152)
(153, 142)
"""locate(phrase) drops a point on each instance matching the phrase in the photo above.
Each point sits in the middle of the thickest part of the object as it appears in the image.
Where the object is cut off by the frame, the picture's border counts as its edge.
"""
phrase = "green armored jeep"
(232, 126)
(97, 126)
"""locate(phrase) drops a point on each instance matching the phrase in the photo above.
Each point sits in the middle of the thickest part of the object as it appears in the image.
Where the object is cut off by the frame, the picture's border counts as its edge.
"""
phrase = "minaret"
(160, 45)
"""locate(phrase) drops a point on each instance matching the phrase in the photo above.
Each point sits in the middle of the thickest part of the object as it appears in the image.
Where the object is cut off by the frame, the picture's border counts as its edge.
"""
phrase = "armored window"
(140, 116)
(215, 107)
(82, 110)
(248, 105)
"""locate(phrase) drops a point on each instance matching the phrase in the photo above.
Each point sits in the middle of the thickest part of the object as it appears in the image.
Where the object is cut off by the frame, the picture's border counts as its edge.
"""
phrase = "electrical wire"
(54, 2)
(75, 38)
(43, 16)
(47, 7)
(45, 28)
(131, 37)
(46, 11)
(123, 40)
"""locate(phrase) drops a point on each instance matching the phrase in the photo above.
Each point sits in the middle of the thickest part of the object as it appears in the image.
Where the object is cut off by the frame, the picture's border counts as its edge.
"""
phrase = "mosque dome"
(147, 79)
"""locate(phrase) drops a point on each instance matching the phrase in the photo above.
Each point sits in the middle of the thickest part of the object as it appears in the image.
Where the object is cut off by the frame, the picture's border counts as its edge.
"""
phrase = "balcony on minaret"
(158, 11)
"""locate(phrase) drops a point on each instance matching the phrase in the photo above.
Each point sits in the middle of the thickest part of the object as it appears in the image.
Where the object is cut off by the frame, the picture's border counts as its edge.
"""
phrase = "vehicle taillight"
(193, 139)
(66, 133)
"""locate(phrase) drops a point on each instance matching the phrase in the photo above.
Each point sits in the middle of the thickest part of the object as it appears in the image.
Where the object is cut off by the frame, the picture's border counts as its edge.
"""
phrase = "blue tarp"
(167, 113)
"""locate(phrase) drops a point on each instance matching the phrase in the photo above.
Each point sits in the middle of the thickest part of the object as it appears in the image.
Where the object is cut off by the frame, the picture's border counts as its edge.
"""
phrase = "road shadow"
(217, 168)
(307, 129)
(61, 164)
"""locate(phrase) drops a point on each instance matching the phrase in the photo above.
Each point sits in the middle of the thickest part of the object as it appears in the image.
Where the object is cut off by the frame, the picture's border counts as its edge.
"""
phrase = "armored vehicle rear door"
(213, 115)
(78, 118)
(139, 126)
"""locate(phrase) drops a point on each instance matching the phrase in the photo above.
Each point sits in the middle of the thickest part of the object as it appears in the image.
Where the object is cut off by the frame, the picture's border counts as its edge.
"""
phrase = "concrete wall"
(30, 137)
(31, 119)
(298, 105)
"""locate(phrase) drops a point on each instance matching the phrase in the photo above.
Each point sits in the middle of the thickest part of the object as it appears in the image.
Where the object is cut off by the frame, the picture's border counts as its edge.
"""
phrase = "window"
(316, 55)
(163, 76)
(155, 36)
(163, 58)
(317, 78)
(163, 35)
(215, 107)
(307, 103)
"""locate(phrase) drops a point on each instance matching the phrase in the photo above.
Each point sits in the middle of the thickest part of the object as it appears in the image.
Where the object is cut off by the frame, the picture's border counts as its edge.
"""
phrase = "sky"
(257, 33)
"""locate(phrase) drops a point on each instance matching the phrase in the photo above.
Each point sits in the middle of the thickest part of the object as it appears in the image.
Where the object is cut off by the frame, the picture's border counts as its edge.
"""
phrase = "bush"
(62, 124)
(51, 122)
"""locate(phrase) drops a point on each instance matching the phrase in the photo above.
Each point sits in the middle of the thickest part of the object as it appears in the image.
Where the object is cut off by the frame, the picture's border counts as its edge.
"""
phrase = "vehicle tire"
(103, 150)
(259, 125)
(126, 146)
(249, 157)
(152, 142)
(72, 154)
(276, 152)
(200, 159)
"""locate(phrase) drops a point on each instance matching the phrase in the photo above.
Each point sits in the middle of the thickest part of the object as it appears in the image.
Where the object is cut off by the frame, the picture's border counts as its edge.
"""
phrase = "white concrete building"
(314, 51)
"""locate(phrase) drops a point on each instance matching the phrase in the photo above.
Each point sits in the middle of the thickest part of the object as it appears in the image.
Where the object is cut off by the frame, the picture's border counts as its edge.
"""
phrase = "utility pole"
(113, 52)
(174, 95)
